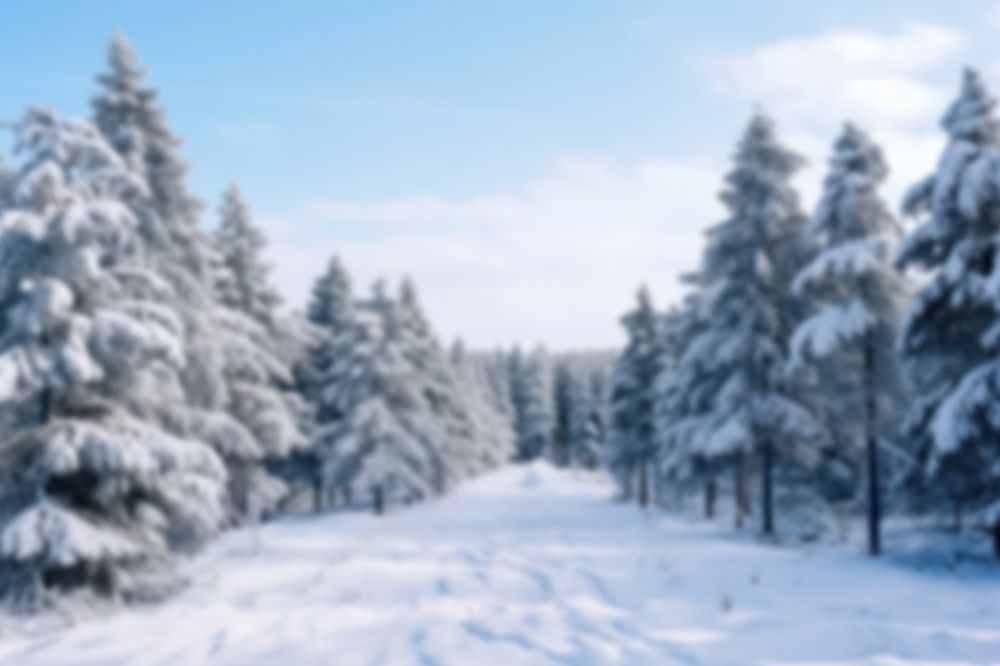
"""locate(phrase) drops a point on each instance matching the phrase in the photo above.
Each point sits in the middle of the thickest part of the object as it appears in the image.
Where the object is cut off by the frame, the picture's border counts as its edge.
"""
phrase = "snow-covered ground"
(531, 565)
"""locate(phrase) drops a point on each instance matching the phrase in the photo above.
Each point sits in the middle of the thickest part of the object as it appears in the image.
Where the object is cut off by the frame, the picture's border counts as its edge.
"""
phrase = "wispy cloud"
(564, 253)
(893, 83)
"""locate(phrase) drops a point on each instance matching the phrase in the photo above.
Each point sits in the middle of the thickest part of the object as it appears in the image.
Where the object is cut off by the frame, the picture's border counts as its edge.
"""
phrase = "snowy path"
(532, 566)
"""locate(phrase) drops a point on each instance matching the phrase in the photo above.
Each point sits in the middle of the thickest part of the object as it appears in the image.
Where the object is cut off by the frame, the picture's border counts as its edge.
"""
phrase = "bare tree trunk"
(710, 499)
(379, 500)
(767, 489)
(643, 484)
(740, 489)
(317, 494)
(874, 492)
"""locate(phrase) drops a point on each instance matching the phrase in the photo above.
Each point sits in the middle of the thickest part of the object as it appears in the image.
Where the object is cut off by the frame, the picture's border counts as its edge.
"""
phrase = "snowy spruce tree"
(225, 350)
(243, 280)
(950, 336)
(584, 417)
(631, 438)
(94, 495)
(492, 426)
(261, 382)
(859, 298)
(684, 409)
(374, 432)
(745, 282)
(531, 396)
(329, 314)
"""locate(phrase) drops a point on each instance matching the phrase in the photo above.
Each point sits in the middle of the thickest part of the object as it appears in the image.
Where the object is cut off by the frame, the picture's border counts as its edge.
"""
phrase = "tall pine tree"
(859, 298)
(950, 335)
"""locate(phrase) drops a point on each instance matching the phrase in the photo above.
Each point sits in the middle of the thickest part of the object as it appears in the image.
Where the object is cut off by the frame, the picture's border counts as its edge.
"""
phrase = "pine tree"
(860, 298)
(243, 280)
(531, 396)
(684, 407)
(631, 439)
(563, 397)
(950, 335)
(95, 495)
(261, 382)
(745, 282)
(492, 428)
(584, 425)
(374, 433)
(127, 114)
(226, 353)
(329, 320)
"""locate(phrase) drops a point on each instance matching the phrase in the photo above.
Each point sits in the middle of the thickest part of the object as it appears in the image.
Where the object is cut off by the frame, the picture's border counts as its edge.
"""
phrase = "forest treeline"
(825, 363)
(155, 390)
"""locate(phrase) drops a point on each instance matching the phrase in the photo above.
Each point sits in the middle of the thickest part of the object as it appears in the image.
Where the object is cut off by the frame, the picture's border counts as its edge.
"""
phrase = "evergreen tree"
(531, 396)
(95, 495)
(631, 439)
(243, 281)
(260, 382)
(330, 313)
(684, 406)
(860, 299)
(226, 353)
(563, 397)
(584, 425)
(127, 112)
(745, 281)
(950, 335)
(380, 438)
(493, 429)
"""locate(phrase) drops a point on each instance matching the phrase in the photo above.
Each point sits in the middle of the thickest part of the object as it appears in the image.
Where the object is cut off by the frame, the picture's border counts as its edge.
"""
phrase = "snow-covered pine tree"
(329, 315)
(243, 280)
(631, 438)
(261, 382)
(222, 347)
(685, 392)
(95, 495)
(374, 433)
(859, 298)
(950, 335)
(127, 113)
(584, 425)
(562, 399)
(460, 451)
(531, 396)
(492, 426)
(746, 278)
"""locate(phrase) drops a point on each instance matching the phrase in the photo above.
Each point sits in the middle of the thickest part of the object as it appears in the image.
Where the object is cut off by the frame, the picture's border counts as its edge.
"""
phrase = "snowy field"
(531, 565)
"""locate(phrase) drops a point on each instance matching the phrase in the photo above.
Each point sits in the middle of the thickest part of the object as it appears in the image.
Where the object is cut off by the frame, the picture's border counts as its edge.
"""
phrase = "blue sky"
(528, 162)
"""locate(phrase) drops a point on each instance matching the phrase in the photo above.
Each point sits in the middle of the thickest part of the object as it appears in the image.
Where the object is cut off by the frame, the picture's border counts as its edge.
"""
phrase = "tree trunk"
(710, 499)
(996, 538)
(956, 516)
(347, 496)
(740, 489)
(379, 500)
(874, 492)
(643, 484)
(767, 489)
(317, 494)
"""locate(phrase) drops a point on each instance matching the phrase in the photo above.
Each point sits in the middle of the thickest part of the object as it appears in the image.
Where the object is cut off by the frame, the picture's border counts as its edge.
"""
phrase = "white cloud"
(893, 84)
(560, 259)
(556, 262)
(864, 75)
